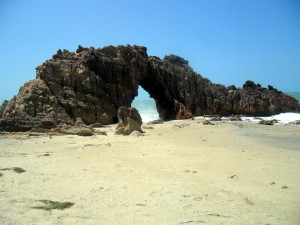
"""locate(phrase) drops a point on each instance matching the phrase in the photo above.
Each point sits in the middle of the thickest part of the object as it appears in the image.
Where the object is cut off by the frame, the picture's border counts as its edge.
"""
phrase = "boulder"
(129, 121)
(235, 118)
(136, 133)
(84, 132)
(266, 122)
(207, 122)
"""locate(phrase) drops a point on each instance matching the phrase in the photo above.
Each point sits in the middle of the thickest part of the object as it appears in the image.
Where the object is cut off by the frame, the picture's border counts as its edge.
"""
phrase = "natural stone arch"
(169, 82)
(90, 85)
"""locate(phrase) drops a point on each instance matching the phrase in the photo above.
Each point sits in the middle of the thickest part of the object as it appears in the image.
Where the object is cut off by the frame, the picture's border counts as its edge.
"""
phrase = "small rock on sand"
(136, 133)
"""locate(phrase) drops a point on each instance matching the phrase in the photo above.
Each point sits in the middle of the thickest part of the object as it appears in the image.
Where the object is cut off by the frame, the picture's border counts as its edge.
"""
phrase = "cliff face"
(90, 85)
(172, 82)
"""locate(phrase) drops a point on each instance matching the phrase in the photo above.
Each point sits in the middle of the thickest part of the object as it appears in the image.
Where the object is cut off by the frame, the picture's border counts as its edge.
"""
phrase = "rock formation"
(90, 85)
(129, 121)
(295, 122)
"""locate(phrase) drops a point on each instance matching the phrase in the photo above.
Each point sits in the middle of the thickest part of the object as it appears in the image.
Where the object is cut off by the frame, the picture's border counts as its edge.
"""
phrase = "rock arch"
(89, 85)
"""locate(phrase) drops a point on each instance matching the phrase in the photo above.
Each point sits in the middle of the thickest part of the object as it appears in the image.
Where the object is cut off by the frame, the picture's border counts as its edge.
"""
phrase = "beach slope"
(179, 172)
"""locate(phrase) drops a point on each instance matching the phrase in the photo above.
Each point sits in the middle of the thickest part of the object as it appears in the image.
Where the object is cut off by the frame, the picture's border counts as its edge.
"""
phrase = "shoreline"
(281, 136)
(179, 172)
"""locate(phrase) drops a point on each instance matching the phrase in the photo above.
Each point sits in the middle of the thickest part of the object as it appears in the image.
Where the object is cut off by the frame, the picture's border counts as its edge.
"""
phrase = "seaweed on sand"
(16, 169)
(50, 205)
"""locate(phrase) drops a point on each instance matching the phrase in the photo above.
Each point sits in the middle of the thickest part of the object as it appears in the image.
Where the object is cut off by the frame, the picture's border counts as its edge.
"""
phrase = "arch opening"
(145, 105)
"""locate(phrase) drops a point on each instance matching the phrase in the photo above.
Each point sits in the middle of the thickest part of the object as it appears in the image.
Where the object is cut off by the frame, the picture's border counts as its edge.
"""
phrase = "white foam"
(146, 108)
(283, 118)
(148, 112)
(148, 117)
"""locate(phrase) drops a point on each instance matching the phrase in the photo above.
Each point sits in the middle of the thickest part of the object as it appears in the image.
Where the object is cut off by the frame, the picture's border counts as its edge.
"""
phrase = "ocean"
(148, 112)
(146, 108)
(296, 95)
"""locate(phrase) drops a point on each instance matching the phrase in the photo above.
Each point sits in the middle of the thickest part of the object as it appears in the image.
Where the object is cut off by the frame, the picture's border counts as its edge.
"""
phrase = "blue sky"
(227, 41)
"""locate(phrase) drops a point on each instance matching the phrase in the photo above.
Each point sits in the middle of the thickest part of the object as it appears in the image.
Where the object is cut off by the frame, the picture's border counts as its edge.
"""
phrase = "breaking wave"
(146, 108)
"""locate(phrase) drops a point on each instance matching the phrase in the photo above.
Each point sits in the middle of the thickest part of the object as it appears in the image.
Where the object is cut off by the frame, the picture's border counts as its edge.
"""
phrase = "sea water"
(296, 95)
(148, 111)
(282, 118)
(146, 108)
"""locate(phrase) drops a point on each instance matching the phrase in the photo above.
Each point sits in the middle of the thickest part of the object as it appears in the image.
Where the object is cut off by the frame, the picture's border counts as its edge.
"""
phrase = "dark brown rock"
(235, 118)
(17, 125)
(181, 111)
(296, 122)
(85, 132)
(266, 122)
(90, 85)
(207, 122)
(32, 107)
(47, 124)
(129, 121)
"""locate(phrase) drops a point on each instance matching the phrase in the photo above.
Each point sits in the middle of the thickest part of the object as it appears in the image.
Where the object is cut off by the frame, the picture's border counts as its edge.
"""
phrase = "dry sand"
(229, 173)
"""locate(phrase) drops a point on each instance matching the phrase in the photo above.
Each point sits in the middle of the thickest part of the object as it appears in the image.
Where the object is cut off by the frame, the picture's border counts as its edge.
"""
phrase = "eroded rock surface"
(90, 85)
(129, 121)
(295, 122)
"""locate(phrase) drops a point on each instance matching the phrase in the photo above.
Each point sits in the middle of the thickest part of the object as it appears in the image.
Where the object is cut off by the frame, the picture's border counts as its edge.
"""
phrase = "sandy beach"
(179, 172)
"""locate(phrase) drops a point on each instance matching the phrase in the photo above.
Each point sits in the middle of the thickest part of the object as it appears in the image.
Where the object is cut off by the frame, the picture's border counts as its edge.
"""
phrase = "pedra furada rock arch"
(89, 85)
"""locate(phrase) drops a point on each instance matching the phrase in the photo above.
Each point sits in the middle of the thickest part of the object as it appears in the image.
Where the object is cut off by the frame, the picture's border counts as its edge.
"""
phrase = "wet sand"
(277, 136)
(179, 172)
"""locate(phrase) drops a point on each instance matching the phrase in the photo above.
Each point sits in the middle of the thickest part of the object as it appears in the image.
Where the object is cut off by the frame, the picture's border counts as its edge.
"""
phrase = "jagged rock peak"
(176, 60)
